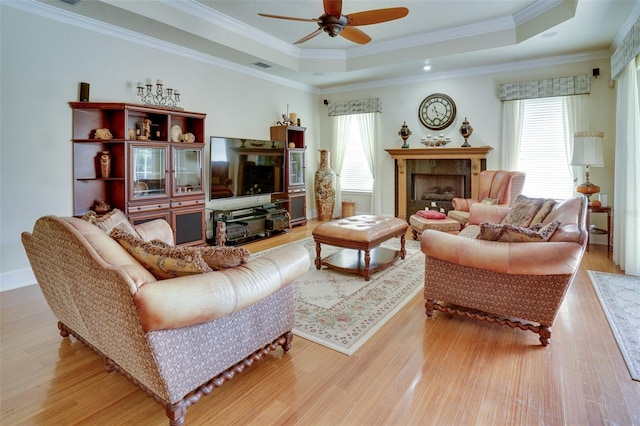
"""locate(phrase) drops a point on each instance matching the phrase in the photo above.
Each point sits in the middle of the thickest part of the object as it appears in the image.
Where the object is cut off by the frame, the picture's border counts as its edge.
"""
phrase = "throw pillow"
(518, 234)
(523, 211)
(163, 261)
(489, 201)
(115, 219)
(490, 231)
(431, 214)
(223, 257)
(546, 208)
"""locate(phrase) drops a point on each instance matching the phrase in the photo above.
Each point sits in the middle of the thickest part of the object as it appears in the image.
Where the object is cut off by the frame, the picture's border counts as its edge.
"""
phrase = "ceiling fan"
(334, 23)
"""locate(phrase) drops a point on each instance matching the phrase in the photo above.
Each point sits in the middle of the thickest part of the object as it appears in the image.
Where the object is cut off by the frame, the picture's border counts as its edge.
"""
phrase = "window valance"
(360, 106)
(627, 50)
(559, 86)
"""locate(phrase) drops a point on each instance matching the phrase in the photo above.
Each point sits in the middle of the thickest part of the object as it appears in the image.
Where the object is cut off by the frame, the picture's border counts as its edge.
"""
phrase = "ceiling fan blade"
(376, 16)
(290, 18)
(309, 37)
(355, 35)
(333, 7)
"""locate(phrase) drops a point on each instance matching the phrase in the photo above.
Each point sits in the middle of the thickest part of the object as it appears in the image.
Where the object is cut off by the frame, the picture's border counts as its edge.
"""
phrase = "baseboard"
(16, 279)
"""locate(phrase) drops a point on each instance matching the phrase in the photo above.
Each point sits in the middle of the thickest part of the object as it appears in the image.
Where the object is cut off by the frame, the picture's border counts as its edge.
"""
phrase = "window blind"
(543, 150)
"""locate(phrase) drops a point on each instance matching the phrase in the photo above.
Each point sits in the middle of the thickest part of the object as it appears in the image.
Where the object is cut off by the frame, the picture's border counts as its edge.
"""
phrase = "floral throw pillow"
(546, 208)
(509, 233)
(115, 219)
(162, 260)
(518, 234)
(490, 231)
(523, 211)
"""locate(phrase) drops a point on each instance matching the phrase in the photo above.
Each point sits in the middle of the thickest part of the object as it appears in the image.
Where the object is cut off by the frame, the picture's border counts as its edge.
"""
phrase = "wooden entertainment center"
(286, 209)
(156, 159)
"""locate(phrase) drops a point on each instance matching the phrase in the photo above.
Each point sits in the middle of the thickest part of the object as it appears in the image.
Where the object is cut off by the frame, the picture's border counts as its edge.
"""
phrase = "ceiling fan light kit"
(334, 23)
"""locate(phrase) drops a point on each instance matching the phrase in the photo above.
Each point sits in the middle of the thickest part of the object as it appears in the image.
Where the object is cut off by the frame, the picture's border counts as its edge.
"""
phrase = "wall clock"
(437, 111)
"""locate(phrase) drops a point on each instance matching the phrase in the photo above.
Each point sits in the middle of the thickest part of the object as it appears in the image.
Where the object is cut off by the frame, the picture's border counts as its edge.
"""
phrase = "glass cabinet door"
(149, 171)
(187, 171)
(296, 167)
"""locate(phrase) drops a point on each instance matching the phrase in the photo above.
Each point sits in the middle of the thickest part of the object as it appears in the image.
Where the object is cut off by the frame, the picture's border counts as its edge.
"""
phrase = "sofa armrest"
(157, 229)
(536, 258)
(195, 299)
(462, 204)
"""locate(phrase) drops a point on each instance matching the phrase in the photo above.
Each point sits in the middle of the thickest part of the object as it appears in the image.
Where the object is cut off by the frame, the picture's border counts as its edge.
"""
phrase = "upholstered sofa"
(176, 338)
(494, 186)
(519, 284)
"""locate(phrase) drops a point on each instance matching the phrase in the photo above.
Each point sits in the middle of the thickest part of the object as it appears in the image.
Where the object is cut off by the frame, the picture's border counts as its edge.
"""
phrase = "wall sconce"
(158, 97)
(587, 151)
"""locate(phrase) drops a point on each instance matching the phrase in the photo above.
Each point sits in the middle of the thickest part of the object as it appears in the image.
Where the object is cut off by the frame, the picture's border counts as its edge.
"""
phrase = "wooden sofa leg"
(175, 413)
(545, 334)
(428, 305)
(288, 338)
(64, 332)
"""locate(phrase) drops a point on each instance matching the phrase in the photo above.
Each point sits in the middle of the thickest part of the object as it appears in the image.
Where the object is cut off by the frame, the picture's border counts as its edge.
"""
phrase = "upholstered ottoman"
(419, 224)
(361, 236)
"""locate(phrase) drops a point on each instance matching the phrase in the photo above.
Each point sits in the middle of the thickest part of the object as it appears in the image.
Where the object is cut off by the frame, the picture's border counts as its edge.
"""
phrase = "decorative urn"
(404, 134)
(465, 131)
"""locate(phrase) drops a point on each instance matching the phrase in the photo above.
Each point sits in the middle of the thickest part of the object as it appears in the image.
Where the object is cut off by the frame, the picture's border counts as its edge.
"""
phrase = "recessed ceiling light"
(550, 34)
(427, 67)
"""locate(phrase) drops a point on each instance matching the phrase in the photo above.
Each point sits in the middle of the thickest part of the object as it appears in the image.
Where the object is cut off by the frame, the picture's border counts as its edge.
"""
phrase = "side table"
(601, 209)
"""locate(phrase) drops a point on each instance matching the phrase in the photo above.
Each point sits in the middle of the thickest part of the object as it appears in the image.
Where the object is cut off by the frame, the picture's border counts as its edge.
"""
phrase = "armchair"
(518, 284)
(502, 186)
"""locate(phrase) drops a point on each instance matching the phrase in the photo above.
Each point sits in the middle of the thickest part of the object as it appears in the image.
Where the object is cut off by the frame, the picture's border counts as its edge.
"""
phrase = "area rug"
(620, 299)
(341, 311)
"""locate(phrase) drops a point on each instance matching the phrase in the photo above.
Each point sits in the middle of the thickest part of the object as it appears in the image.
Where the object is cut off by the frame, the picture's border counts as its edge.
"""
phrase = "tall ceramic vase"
(324, 185)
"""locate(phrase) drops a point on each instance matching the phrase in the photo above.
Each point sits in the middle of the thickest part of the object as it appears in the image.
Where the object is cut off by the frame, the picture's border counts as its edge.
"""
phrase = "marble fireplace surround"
(474, 159)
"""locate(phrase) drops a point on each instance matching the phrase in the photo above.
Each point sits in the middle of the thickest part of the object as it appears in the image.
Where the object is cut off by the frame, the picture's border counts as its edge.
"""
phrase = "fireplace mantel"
(475, 154)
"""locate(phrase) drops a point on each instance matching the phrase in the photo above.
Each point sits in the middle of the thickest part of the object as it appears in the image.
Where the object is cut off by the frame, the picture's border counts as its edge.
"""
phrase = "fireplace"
(435, 191)
(434, 183)
(431, 177)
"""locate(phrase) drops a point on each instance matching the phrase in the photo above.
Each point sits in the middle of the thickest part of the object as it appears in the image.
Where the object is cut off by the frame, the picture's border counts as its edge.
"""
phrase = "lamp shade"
(587, 149)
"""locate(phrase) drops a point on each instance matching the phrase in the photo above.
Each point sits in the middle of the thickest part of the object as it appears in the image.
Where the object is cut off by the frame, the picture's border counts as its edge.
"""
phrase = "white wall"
(477, 98)
(43, 61)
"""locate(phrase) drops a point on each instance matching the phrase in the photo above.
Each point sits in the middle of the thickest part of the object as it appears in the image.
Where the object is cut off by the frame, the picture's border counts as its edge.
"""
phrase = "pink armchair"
(501, 186)
(518, 284)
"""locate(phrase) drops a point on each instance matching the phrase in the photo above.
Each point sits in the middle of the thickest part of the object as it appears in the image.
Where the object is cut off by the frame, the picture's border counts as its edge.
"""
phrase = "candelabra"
(158, 97)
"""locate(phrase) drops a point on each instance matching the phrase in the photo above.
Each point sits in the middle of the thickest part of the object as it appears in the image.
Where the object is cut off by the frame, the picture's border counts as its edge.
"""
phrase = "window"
(543, 153)
(356, 175)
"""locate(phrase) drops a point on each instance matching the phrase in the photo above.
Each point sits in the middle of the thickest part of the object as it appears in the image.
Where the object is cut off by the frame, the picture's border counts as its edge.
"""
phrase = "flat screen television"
(245, 167)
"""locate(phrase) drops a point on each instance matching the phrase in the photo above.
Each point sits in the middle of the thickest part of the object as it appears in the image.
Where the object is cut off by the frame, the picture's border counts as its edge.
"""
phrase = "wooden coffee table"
(360, 237)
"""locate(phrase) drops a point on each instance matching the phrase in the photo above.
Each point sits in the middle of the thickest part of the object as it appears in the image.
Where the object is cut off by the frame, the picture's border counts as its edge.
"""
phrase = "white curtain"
(367, 124)
(341, 125)
(576, 118)
(626, 205)
(512, 119)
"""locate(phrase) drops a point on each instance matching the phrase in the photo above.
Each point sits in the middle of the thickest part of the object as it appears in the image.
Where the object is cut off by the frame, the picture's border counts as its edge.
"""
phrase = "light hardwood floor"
(413, 371)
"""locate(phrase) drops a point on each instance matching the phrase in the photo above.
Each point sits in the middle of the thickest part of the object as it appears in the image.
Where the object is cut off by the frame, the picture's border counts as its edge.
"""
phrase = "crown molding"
(470, 72)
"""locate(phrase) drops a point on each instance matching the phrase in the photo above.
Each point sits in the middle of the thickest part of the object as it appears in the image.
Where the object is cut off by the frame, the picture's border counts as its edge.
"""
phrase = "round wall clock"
(437, 111)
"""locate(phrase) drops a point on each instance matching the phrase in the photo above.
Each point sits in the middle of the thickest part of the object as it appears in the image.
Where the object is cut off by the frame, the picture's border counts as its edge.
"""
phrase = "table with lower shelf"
(599, 209)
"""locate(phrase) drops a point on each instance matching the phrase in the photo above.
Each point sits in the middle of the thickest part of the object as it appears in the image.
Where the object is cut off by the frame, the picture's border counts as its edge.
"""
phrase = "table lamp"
(587, 151)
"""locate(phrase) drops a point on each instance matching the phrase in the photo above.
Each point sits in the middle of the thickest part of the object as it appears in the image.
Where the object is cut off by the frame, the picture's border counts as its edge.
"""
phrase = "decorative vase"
(324, 187)
(404, 134)
(105, 164)
(465, 131)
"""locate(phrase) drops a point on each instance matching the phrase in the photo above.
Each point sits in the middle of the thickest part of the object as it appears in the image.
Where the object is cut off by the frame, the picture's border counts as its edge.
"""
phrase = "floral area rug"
(341, 311)
(620, 299)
